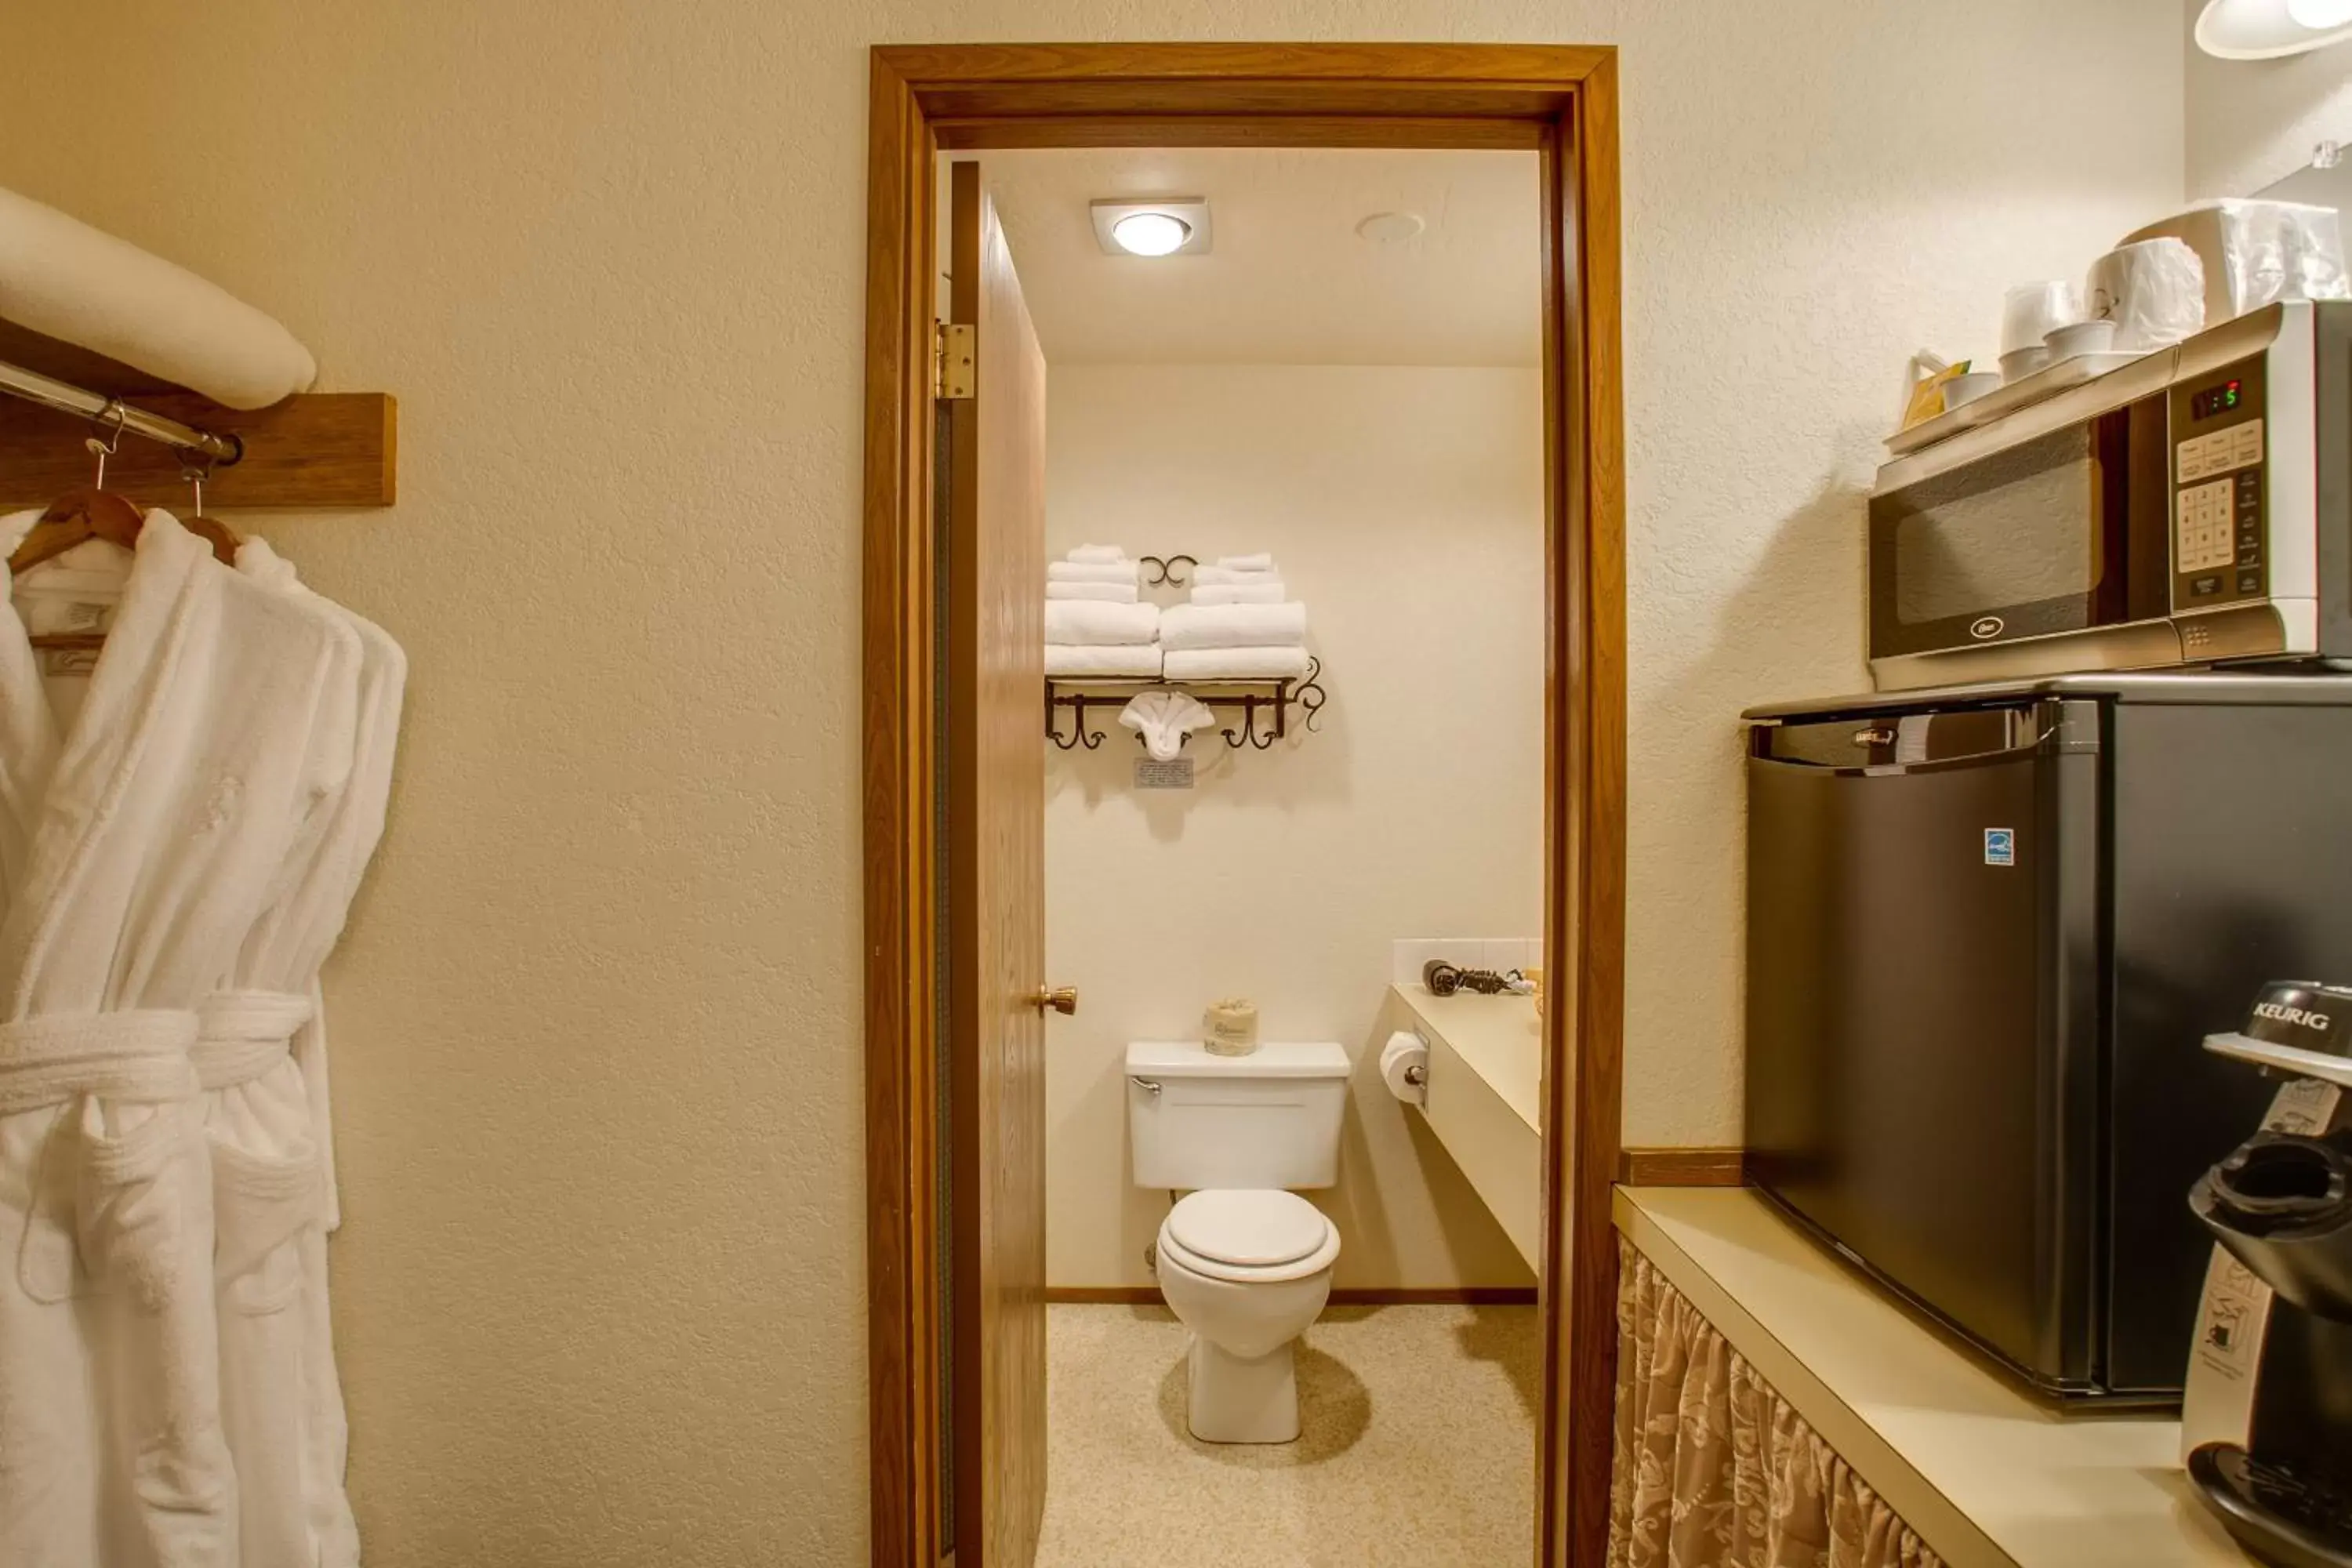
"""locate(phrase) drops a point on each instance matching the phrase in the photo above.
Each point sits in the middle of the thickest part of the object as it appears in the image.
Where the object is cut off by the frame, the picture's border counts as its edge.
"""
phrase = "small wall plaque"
(1176, 772)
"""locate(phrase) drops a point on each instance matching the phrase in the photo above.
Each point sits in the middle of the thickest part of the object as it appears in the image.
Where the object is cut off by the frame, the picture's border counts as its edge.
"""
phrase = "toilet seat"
(1249, 1235)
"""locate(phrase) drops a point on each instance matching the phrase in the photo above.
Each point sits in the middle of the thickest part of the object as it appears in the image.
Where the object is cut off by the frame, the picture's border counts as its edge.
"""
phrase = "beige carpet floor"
(1418, 1447)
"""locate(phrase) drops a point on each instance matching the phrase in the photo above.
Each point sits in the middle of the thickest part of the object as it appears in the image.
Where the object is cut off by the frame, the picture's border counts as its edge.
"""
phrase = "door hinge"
(952, 354)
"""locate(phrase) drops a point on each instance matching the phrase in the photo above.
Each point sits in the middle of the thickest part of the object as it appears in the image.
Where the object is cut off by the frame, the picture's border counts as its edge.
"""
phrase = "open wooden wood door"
(994, 550)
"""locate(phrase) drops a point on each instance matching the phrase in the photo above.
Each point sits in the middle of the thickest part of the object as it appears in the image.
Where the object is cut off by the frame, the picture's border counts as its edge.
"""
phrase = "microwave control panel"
(2219, 444)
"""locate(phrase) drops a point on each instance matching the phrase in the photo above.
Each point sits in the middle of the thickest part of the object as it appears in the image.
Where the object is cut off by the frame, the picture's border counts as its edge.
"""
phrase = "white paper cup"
(2019, 363)
(2076, 339)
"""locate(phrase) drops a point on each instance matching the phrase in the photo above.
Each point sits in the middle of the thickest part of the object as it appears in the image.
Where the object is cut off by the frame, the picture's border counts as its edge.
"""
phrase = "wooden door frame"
(1560, 101)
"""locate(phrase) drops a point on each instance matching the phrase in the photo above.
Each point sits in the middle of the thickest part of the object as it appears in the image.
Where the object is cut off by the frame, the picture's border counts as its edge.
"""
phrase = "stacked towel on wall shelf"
(1095, 622)
(1241, 625)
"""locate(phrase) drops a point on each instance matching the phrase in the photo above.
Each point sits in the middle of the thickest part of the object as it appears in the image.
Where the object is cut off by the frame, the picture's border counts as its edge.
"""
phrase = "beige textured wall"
(600, 1291)
(1405, 507)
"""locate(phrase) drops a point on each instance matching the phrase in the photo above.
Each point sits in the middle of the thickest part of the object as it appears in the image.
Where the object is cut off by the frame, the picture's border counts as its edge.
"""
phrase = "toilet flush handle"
(1062, 999)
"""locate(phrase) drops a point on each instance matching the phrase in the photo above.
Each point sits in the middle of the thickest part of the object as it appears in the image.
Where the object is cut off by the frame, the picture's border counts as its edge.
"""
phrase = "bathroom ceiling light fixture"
(1170, 225)
(1391, 228)
(2268, 29)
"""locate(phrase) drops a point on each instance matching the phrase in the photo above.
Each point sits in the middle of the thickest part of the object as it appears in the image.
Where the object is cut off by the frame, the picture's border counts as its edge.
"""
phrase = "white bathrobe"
(262, 1058)
(140, 842)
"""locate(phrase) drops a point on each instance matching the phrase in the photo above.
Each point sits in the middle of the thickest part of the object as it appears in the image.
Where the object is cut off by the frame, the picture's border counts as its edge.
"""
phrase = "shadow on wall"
(1767, 645)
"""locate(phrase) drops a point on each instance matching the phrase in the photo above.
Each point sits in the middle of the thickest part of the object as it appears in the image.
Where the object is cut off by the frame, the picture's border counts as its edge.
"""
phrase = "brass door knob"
(1062, 999)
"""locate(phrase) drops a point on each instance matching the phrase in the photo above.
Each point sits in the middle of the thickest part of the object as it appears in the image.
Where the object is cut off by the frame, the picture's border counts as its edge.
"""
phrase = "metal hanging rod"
(115, 413)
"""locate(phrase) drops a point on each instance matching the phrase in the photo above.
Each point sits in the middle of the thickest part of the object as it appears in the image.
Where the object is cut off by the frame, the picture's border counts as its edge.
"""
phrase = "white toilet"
(1245, 1263)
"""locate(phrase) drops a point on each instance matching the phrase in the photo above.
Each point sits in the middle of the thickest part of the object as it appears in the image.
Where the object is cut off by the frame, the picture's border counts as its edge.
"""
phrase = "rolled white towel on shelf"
(1108, 592)
(1237, 664)
(1093, 623)
(1404, 1067)
(61, 278)
(1097, 553)
(1120, 663)
(1091, 571)
(1261, 562)
(1231, 626)
(1240, 593)
(1235, 574)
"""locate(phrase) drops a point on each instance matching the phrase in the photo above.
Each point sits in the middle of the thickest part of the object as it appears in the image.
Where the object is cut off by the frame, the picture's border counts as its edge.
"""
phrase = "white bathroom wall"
(1405, 507)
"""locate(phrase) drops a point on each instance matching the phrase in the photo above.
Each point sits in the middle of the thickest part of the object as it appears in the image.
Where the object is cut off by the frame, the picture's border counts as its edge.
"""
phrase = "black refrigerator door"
(2234, 868)
(1921, 1065)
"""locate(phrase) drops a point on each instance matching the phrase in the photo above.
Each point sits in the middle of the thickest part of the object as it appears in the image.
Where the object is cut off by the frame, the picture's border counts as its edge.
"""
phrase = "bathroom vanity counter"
(1485, 1101)
(1986, 1477)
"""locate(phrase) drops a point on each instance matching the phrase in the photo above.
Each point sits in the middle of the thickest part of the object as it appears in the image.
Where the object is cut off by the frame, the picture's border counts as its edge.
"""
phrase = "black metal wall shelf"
(1272, 699)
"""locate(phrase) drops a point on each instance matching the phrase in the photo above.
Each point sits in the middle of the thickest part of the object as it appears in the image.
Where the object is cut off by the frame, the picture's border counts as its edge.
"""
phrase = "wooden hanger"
(93, 511)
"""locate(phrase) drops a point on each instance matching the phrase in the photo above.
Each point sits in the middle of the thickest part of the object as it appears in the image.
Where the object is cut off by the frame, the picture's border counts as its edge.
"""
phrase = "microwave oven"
(2193, 507)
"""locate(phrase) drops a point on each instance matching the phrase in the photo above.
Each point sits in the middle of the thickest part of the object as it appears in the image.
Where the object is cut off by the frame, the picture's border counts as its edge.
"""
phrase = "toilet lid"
(1251, 1229)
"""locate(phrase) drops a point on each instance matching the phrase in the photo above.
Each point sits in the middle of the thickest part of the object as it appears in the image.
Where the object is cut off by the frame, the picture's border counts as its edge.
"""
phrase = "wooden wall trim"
(1585, 870)
(1560, 100)
(902, 1243)
(1341, 1296)
(1681, 1167)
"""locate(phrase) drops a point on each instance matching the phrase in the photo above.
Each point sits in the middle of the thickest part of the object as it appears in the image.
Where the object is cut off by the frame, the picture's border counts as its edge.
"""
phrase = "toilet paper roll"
(1404, 1067)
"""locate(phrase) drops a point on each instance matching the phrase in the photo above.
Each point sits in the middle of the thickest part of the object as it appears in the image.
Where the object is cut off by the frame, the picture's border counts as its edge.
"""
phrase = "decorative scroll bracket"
(1265, 712)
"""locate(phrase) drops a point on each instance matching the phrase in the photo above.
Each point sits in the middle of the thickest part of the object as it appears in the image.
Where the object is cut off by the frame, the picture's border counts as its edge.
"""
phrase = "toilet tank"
(1270, 1119)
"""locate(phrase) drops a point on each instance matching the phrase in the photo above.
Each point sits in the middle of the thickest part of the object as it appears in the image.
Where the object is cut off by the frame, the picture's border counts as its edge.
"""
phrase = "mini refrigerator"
(1987, 931)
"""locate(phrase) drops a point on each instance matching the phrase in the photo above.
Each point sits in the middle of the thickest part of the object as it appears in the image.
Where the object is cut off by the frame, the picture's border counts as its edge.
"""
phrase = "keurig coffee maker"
(2266, 1427)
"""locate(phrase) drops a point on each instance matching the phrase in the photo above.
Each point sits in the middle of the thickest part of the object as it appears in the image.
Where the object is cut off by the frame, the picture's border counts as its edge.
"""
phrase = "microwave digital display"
(2217, 399)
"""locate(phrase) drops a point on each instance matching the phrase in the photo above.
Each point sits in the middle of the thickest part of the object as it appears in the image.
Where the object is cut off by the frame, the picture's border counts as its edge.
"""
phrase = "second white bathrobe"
(139, 842)
(261, 1055)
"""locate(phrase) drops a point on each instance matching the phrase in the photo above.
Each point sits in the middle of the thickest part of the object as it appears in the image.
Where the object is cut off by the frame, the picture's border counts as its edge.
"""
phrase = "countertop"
(1497, 1037)
(1988, 1478)
(1485, 1100)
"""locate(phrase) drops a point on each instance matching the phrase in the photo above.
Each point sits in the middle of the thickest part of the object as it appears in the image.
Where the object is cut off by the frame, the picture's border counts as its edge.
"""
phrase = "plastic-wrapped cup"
(2030, 311)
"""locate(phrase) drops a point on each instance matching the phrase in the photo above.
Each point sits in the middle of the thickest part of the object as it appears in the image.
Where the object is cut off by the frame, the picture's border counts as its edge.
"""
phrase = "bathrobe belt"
(242, 1035)
(137, 1055)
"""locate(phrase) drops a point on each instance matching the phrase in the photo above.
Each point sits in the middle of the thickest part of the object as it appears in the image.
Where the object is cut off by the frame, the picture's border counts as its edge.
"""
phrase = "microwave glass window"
(2015, 529)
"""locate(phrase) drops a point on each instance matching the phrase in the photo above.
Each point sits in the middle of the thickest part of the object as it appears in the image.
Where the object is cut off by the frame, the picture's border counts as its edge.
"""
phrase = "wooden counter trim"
(1664, 1167)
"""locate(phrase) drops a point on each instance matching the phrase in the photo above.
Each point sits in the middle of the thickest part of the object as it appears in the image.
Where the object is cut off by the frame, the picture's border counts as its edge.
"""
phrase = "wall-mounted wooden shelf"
(316, 450)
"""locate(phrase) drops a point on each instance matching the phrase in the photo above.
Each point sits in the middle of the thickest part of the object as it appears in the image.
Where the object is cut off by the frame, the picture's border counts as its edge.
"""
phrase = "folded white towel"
(1091, 571)
(1261, 562)
(1234, 575)
(1091, 623)
(1097, 553)
(60, 277)
(1233, 664)
(1233, 625)
(1109, 593)
(1163, 719)
(1240, 593)
(1120, 663)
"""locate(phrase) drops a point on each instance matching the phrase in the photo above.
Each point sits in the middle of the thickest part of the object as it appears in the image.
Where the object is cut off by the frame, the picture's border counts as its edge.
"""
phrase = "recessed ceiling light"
(1169, 226)
(1150, 234)
(1391, 228)
(2266, 29)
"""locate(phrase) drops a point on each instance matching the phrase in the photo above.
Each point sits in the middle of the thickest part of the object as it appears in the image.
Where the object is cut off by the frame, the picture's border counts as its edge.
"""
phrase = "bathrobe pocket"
(263, 1202)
